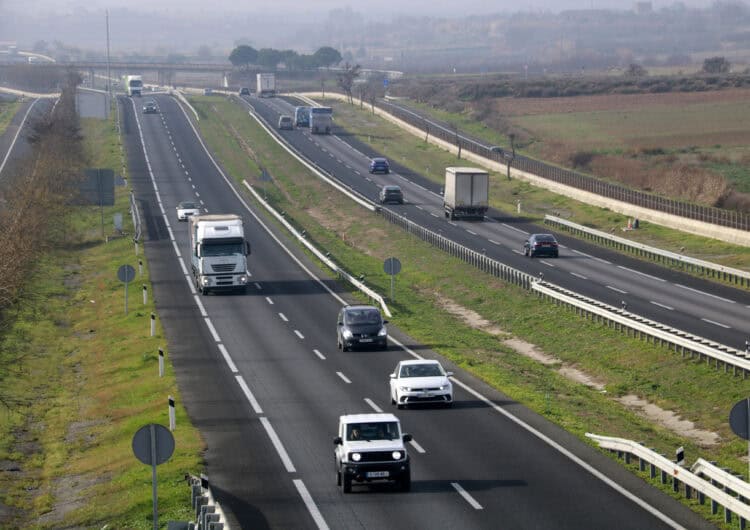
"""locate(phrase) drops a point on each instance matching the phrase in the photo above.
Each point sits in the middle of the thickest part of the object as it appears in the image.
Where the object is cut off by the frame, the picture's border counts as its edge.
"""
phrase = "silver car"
(187, 209)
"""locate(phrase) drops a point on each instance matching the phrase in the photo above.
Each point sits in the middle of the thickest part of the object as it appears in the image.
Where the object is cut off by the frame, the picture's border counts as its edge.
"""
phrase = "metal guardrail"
(704, 479)
(207, 512)
(736, 276)
(707, 214)
(640, 327)
(685, 343)
(322, 257)
(135, 214)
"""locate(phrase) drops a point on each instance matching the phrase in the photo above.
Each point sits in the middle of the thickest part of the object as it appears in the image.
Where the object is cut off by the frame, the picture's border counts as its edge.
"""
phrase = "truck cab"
(218, 253)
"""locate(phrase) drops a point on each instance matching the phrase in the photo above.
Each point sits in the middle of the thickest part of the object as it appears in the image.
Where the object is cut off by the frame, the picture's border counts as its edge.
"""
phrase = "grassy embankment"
(8, 109)
(87, 381)
(418, 156)
(360, 241)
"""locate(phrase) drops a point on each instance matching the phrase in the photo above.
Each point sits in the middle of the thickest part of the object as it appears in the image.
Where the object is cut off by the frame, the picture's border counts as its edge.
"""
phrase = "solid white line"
(249, 395)
(278, 445)
(300, 335)
(283, 317)
(310, 503)
(616, 289)
(465, 494)
(547, 263)
(268, 298)
(514, 228)
(200, 306)
(705, 293)
(552, 443)
(716, 323)
(212, 329)
(344, 378)
(662, 305)
(417, 447)
(20, 127)
(581, 276)
(373, 405)
(228, 359)
(642, 273)
(316, 352)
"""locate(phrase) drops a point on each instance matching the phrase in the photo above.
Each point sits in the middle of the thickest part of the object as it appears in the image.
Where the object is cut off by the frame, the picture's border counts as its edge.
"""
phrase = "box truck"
(133, 85)
(466, 193)
(265, 85)
(218, 251)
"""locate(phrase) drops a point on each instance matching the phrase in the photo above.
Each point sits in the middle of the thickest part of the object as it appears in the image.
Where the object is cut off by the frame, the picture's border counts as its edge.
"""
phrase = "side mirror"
(341, 323)
(448, 374)
(338, 441)
(393, 375)
(385, 322)
(406, 438)
(247, 248)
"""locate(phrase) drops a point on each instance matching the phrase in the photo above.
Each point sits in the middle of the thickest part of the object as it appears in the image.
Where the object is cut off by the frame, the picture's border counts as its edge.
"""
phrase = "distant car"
(150, 107)
(391, 194)
(244, 91)
(380, 165)
(361, 325)
(420, 381)
(186, 209)
(541, 245)
(286, 122)
(207, 91)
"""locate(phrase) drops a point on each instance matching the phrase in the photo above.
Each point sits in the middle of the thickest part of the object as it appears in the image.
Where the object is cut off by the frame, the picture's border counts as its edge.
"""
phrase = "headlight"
(204, 280)
(404, 389)
(347, 334)
(243, 279)
(396, 455)
(356, 457)
(383, 332)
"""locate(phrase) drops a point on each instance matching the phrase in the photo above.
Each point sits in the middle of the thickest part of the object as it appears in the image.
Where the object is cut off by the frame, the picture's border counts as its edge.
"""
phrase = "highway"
(262, 379)
(714, 311)
(13, 144)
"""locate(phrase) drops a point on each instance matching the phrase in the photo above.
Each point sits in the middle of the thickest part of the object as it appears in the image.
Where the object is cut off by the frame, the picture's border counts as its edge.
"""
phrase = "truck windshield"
(136, 83)
(221, 249)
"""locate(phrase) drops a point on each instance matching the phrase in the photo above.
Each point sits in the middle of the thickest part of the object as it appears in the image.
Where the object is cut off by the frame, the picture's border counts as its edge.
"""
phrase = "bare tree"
(346, 80)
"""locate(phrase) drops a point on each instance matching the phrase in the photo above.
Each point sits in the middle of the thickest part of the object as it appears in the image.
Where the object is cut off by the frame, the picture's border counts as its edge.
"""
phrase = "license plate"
(365, 340)
(377, 474)
(425, 395)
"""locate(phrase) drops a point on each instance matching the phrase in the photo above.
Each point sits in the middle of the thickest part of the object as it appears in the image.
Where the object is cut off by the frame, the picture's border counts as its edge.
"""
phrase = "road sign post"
(392, 266)
(126, 274)
(153, 444)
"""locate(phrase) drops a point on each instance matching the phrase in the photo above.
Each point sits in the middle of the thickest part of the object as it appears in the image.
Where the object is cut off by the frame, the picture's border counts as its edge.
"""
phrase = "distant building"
(642, 8)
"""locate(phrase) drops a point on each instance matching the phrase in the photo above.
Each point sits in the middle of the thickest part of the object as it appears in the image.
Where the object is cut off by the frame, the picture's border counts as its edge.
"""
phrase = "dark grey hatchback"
(541, 245)
(391, 193)
(361, 326)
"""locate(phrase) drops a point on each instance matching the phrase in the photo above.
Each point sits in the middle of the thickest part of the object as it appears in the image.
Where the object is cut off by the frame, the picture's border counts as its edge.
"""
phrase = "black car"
(244, 91)
(361, 325)
(541, 245)
(150, 107)
(391, 194)
(380, 165)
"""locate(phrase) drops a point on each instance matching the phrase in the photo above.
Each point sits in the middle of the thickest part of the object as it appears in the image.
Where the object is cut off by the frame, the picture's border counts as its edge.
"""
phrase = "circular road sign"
(126, 273)
(164, 446)
(392, 266)
(739, 418)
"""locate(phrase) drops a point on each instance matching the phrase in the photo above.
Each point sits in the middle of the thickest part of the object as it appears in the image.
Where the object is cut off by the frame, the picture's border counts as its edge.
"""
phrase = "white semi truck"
(466, 192)
(133, 85)
(218, 251)
(321, 120)
(265, 85)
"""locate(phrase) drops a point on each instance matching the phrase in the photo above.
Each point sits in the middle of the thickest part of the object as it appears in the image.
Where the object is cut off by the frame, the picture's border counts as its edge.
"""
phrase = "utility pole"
(109, 81)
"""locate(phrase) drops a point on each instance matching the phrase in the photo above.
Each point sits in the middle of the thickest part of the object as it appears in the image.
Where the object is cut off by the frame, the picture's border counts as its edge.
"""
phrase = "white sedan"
(420, 381)
(187, 208)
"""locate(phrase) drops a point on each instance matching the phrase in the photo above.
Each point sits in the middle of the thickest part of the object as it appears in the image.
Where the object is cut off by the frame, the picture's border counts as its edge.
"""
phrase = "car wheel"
(400, 406)
(344, 347)
(393, 401)
(404, 483)
(556, 255)
(346, 484)
(338, 477)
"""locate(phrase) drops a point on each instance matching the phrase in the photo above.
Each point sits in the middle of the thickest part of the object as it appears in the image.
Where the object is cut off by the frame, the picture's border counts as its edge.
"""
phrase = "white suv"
(370, 447)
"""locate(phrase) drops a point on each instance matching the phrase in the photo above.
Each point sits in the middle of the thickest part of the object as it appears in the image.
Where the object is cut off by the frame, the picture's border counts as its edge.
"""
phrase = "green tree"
(243, 56)
(636, 70)
(716, 65)
(327, 56)
(269, 57)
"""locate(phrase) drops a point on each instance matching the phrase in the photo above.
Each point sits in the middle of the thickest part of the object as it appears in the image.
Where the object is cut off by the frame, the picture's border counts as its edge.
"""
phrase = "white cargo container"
(133, 85)
(265, 85)
(466, 192)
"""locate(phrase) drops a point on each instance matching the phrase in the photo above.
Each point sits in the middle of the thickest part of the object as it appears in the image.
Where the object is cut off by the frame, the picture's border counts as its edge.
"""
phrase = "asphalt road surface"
(262, 379)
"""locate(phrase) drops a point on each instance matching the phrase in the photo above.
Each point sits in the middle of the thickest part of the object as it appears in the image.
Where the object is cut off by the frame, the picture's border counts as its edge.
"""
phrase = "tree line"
(244, 56)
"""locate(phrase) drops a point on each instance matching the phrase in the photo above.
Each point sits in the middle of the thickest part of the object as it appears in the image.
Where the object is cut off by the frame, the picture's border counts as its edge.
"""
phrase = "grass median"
(439, 301)
(85, 380)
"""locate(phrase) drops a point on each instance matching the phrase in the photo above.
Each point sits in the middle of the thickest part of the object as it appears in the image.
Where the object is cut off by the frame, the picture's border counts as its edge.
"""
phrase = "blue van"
(302, 116)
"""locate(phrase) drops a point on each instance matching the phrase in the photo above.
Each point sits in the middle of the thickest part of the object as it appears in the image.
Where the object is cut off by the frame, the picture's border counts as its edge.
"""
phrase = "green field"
(84, 379)
(431, 282)
(8, 109)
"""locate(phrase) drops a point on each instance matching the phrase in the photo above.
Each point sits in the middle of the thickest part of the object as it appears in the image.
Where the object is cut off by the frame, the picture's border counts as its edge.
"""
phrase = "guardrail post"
(714, 504)
(663, 476)
(652, 471)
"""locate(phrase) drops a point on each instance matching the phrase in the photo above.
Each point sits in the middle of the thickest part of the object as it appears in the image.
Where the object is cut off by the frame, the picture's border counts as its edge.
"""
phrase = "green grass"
(360, 241)
(8, 109)
(87, 380)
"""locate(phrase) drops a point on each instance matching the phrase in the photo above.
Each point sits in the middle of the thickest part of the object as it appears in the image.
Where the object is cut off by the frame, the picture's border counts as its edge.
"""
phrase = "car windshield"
(221, 249)
(362, 316)
(187, 206)
(381, 430)
(420, 370)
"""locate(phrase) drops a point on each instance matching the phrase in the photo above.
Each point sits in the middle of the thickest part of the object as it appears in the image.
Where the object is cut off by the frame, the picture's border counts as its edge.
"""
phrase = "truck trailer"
(321, 120)
(218, 251)
(466, 193)
(265, 85)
